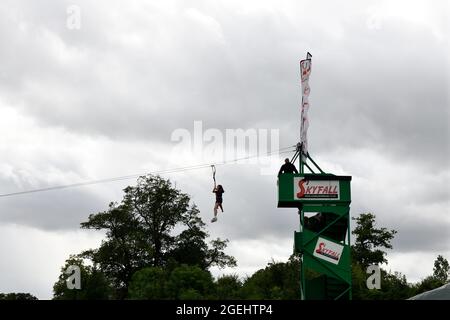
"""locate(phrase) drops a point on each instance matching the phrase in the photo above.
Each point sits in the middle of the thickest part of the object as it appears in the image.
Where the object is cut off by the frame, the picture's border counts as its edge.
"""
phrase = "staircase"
(337, 231)
(326, 288)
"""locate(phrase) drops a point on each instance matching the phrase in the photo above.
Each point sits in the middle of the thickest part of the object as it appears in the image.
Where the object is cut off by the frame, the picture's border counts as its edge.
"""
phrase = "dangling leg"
(215, 213)
(220, 206)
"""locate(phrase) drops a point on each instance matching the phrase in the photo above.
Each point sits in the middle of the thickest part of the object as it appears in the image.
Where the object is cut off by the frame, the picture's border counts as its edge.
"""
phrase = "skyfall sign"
(305, 189)
(328, 250)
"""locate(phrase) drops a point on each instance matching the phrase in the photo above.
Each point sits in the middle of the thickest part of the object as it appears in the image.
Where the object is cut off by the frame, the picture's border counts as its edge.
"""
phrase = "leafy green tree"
(441, 269)
(228, 287)
(189, 283)
(123, 252)
(17, 296)
(138, 229)
(183, 282)
(190, 248)
(148, 283)
(215, 256)
(277, 281)
(394, 286)
(427, 284)
(359, 286)
(439, 278)
(368, 249)
(140, 233)
(94, 285)
(370, 241)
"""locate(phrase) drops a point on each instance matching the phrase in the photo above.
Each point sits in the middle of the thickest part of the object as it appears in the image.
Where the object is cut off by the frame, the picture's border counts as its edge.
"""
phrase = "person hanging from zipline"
(218, 190)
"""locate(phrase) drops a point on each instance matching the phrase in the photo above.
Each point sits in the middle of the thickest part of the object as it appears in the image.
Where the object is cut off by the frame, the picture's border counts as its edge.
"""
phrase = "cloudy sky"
(101, 96)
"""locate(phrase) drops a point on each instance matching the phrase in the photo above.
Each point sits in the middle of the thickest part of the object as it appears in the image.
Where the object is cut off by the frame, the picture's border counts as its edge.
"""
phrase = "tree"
(369, 241)
(17, 296)
(189, 283)
(277, 281)
(439, 278)
(228, 287)
(140, 233)
(441, 269)
(94, 285)
(359, 286)
(190, 247)
(148, 283)
(427, 284)
(215, 256)
(157, 208)
(183, 282)
(394, 286)
(124, 250)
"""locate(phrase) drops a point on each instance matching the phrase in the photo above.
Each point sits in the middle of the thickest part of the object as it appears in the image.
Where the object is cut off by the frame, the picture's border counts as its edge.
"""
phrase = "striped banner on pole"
(305, 69)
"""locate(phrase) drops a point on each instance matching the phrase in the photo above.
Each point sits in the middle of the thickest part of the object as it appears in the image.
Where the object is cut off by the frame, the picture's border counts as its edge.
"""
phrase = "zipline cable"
(133, 176)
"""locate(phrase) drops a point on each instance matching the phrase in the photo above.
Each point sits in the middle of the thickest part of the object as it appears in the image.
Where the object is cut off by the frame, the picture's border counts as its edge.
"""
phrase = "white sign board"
(305, 189)
(328, 251)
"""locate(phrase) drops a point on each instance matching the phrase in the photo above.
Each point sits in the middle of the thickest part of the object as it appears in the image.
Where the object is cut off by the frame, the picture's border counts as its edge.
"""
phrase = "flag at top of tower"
(305, 70)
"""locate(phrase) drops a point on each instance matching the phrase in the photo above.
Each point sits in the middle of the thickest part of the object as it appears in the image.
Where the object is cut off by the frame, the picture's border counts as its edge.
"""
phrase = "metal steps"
(326, 288)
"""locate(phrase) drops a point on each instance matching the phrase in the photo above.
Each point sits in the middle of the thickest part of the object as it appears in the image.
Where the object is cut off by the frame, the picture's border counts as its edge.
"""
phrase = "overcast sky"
(103, 101)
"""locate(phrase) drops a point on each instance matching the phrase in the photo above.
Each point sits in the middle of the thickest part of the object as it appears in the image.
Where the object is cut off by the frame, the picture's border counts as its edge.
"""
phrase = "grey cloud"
(52, 210)
(135, 74)
(382, 88)
(422, 234)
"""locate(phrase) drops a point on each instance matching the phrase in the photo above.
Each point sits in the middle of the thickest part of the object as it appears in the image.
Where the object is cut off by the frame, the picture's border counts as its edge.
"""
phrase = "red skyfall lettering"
(301, 194)
(328, 252)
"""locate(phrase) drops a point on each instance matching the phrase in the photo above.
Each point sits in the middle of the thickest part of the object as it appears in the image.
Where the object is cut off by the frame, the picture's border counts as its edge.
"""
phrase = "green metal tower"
(323, 241)
(323, 202)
